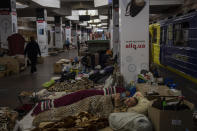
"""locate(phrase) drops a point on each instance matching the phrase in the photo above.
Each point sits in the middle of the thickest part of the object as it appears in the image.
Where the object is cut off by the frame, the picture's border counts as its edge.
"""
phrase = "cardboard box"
(12, 65)
(40, 60)
(57, 68)
(172, 120)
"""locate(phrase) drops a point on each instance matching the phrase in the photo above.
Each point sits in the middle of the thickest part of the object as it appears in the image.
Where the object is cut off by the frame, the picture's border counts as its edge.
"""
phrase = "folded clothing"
(69, 99)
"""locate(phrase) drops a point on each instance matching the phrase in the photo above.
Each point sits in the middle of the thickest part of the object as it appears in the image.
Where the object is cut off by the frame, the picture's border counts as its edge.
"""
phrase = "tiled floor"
(10, 87)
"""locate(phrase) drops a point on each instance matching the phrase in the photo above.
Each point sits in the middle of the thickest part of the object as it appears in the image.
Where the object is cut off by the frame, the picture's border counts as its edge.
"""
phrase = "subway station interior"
(98, 65)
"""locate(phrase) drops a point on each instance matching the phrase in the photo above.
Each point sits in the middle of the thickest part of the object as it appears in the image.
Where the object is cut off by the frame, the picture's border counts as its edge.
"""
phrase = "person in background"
(32, 50)
(67, 44)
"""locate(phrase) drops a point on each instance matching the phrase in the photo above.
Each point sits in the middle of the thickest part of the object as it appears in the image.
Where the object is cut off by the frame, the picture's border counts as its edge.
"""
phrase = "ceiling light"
(97, 20)
(99, 25)
(98, 3)
(72, 17)
(89, 27)
(84, 24)
(85, 12)
(104, 24)
(99, 30)
(48, 3)
(20, 5)
(103, 17)
(94, 21)
(91, 21)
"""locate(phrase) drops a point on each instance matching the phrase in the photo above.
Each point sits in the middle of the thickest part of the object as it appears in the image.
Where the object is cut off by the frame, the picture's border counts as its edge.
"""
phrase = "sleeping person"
(92, 101)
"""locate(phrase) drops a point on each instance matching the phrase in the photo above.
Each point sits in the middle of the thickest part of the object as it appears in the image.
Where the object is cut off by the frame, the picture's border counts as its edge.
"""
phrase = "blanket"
(70, 99)
(98, 105)
(83, 121)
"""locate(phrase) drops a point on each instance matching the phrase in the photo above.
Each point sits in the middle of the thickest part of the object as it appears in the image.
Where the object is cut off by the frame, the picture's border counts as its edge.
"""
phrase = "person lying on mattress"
(92, 101)
(74, 97)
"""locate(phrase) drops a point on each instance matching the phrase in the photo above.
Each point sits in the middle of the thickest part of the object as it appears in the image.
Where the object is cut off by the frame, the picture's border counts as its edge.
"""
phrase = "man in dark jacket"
(31, 51)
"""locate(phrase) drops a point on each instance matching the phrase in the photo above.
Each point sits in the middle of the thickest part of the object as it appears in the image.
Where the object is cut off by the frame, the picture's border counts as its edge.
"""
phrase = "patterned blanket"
(72, 98)
(98, 105)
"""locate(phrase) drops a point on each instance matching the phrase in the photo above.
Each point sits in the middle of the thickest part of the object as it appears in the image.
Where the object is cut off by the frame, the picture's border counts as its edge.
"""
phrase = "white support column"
(58, 32)
(8, 21)
(134, 38)
(42, 37)
(68, 30)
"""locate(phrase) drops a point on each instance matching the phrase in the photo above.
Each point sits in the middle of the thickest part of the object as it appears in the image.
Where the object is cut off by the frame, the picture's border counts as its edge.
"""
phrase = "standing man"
(31, 51)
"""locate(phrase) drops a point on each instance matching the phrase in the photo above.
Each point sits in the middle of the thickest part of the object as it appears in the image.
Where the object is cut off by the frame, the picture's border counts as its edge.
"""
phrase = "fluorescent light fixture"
(73, 17)
(103, 17)
(91, 21)
(99, 25)
(20, 5)
(98, 3)
(48, 3)
(93, 12)
(104, 24)
(94, 21)
(85, 12)
(84, 24)
(99, 30)
(105, 27)
(93, 25)
(97, 20)
(89, 27)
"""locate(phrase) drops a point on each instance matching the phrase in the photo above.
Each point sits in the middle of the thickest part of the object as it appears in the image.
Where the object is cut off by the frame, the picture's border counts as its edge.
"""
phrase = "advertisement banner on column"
(42, 37)
(68, 33)
(134, 37)
(58, 37)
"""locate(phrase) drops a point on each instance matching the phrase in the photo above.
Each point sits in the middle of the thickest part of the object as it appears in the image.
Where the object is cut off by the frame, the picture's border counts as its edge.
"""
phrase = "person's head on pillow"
(131, 102)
